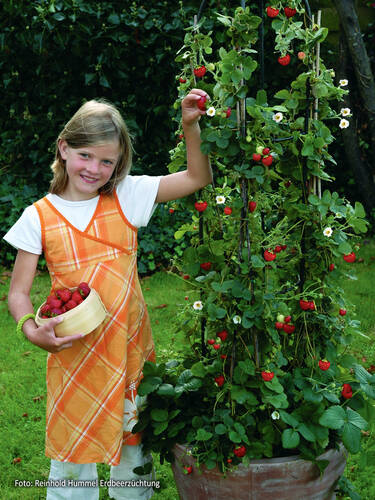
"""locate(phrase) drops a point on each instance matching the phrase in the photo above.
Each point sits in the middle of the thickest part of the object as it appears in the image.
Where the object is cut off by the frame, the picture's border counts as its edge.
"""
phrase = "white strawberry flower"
(277, 117)
(343, 83)
(237, 319)
(328, 232)
(211, 111)
(343, 123)
(220, 199)
(198, 305)
(275, 415)
(345, 112)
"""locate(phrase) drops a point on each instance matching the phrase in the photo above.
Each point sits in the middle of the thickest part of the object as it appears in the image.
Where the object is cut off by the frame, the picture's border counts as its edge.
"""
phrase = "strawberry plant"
(268, 273)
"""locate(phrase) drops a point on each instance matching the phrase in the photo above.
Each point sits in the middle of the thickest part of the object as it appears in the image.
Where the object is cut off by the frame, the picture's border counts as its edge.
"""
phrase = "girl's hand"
(45, 338)
(190, 111)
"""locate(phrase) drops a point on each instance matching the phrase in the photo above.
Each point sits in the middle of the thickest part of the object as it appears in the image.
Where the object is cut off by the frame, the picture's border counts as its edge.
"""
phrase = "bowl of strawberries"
(81, 309)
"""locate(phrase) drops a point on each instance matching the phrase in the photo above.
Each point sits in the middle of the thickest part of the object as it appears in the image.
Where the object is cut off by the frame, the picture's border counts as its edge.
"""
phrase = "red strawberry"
(252, 206)
(283, 247)
(216, 347)
(71, 304)
(188, 469)
(289, 12)
(342, 312)
(331, 267)
(288, 328)
(272, 12)
(279, 325)
(304, 305)
(200, 205)
(324, 364)
(257, 157)
(186, 277)
(76, 296)
(312, 305)
(182, 80)
(64, 294)
(201, 103)
(55, 303)
(228, 112)
(269, 256)
(55, 311)
(206, 266)
(211, 341)
(220, 380)
(171, 210)
(227, 210)
(266, 151)
(45, 310)
(222, 335)
(83, 289)
(267, 376)
(50, 297)
(278, 248)
(285, 60)
(200, 71)
(240, 451)
(223, 356)
(287, 319)
(267, 160)
(350, 257)
(347, 391)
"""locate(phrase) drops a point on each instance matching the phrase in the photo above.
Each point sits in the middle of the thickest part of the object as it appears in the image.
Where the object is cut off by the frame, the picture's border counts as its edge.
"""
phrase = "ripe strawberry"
(240, 451)
(266, 151)
(228, 112)
(171, 210)
(188, 469)
(182, 80)
(222, 335)
(301, 56)
(227, 210)
(223, 356)
(45, 310)
(304, 305)
(269, 256)
(64, 294)
(285, 60)
(220, 380)
(272, 12)
(229, 460)
(288, 328)
(257, 156)
(252, 206)
(201, 103)
(289, 12)
(279, 325)
(267, 160)
(55, 311)
(55, 303)
(200, 71)
(287, 184)
(186, 277)
(324, 364)
(216, 347)
(331, 267)
(200, 205)
(347, 391)
(287, 319)
(277, 249)
(283, 247)
(211, 341)
(350, 257)
(76, 296)
(267, 376)
(342, 312)
(206, 266)
(83, 289)
(50, 297)
(312, 305)
(71, 304)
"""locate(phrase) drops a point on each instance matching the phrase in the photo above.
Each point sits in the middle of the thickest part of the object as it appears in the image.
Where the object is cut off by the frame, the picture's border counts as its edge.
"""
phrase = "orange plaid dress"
(87, 383)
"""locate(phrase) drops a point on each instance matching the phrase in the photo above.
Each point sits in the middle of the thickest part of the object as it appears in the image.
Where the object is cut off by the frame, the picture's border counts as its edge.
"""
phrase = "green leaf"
(203, 435)
(160, 427)
(290, 438)
(333, 418)
(307, 433)
(351, 437)
(261, 98)
(288, 419)
(221, 429)
(355, 419)
(199, 370)
(166, 390)
(159, 415)
(243, 395)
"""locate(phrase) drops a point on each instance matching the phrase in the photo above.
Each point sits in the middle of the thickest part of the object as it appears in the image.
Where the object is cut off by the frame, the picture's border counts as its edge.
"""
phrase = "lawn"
(22, 379)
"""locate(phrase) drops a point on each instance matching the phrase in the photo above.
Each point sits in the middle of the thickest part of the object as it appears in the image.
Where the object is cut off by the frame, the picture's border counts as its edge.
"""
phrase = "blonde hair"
(97, 122)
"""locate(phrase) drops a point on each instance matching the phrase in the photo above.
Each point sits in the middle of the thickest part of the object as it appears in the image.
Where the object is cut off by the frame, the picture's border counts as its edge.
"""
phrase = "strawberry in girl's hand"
(76, 296)
(272, 12)
(71, 304)
(285, 60)
(324, 364)
(45, 310)
(64, 294)
(83, 289)
(201, 103)
(200, 205)
(55, 311)
(200, 71)
(50, 297)
(289, 12)
(55, 303)
(267, 376)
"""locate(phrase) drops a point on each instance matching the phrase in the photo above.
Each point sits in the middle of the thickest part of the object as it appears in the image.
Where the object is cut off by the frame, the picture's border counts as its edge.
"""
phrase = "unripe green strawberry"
(280, 318)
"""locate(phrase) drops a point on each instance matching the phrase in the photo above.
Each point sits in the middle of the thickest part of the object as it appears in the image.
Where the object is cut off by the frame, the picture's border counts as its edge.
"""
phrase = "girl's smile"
(88, 168)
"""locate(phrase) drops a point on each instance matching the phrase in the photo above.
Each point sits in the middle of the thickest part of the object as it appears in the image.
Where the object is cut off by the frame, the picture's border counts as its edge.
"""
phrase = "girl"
(87, 228)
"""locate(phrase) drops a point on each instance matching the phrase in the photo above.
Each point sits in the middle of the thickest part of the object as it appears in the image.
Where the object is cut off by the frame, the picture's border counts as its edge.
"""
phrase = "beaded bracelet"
(23, 320)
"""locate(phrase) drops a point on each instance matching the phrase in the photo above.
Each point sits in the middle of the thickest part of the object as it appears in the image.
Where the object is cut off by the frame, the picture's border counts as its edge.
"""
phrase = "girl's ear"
(62, 145)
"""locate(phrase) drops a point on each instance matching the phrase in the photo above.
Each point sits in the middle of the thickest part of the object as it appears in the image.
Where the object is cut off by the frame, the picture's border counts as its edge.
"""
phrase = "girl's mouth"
(89, 180)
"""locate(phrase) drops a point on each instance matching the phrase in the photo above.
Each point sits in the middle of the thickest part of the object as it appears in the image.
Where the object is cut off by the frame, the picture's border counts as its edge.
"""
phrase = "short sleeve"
(26, 233)
(137, 194)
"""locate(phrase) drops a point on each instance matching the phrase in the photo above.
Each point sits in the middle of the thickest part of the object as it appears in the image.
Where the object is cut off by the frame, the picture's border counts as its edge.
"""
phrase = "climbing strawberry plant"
(267, 372)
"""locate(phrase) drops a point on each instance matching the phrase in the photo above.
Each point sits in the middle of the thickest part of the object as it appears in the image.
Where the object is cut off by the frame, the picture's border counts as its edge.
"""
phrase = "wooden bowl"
(83, 319)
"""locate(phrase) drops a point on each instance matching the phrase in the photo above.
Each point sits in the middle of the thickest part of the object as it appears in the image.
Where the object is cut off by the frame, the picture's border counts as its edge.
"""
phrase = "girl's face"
(88, 168)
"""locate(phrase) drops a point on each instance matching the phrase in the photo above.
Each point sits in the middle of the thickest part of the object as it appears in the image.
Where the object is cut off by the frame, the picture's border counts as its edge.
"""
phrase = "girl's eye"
(108, 162)
(84, 155)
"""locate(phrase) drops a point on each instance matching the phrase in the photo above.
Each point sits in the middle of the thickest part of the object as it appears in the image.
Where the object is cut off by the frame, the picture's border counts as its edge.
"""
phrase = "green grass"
(23, 392)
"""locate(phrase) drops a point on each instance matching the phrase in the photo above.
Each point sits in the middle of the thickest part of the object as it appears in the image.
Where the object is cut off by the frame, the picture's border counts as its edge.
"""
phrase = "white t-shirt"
(136, 195)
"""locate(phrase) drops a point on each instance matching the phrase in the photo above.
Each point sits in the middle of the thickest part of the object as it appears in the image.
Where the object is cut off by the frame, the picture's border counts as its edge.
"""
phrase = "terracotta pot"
(286, 478)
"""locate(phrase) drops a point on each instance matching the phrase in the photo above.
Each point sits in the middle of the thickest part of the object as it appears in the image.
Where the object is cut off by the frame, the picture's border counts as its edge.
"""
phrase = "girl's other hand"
(190, 111)
(45, 337)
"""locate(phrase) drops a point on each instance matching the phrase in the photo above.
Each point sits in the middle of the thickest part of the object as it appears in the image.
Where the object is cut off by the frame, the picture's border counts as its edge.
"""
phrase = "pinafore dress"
(87, 383)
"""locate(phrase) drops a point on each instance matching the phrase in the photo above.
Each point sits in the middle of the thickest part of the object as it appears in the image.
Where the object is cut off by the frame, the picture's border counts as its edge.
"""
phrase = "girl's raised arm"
(198, 173)
(19, 303)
